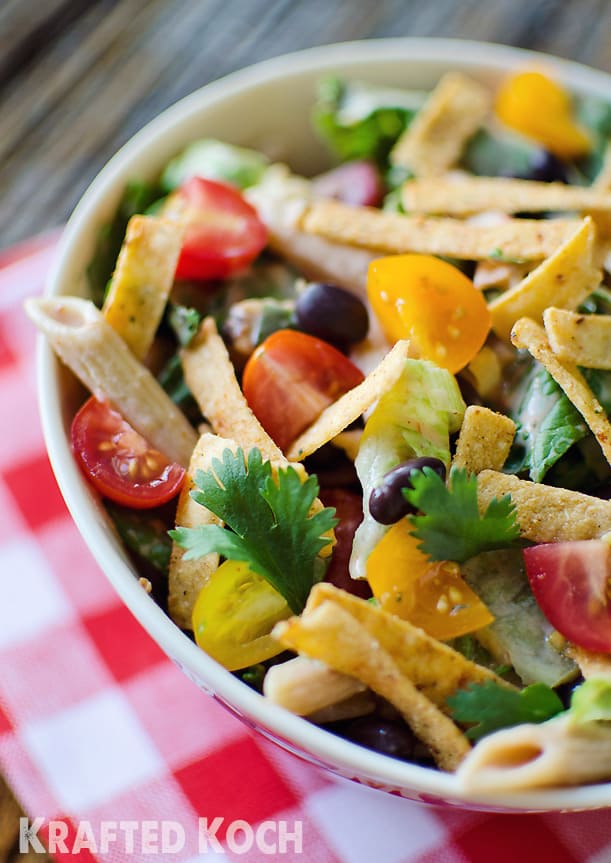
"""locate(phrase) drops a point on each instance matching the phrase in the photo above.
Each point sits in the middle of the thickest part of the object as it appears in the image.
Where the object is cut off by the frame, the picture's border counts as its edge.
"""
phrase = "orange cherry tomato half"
(430, 594)
(119, 462)
(536, 106)
(223, 234)
(291, 378)
(431, 303)
(571, 582)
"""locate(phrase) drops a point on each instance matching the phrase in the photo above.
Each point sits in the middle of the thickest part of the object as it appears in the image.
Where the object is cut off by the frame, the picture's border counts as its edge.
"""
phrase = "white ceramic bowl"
(267, 106)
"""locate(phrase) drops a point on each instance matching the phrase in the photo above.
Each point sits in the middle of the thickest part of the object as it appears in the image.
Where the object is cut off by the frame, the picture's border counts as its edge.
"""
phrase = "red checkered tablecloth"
(101, 735)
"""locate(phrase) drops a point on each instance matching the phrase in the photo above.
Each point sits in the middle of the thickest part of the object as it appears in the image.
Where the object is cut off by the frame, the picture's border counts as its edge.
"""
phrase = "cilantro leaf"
(267, 520)
(491, 706)
(451, 527)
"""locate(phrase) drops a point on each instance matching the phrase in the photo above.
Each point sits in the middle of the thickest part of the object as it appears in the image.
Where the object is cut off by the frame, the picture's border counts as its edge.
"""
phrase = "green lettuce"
(215, 160)
(414, 418)
(548, 424)
(362, 121)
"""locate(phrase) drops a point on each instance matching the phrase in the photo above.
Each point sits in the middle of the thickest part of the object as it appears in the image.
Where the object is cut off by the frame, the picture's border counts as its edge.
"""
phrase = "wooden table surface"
(79, 77)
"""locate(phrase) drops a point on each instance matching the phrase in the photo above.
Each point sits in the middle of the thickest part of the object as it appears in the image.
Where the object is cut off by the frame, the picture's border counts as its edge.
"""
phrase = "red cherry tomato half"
(356, 183)
(291, 378)
(224, 233)
(349, 511)
(119, 462)
(571, 582)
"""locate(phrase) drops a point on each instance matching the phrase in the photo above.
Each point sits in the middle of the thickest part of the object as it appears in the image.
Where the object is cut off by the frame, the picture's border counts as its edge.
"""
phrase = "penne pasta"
(90, 347)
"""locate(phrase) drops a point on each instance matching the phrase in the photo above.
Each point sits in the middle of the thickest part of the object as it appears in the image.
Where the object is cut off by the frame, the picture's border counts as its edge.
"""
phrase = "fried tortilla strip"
(466, 195)
(210, 376)
(187, 577)
(333, 635)
(555, 753)
(484, 441)
(435, 139)
(563, 280)
(434, 668)
(581, 339)
(591, 664)
(142, 280)
(393, 234)
(304, 686)
(351, 405)
(95, 352)
(527, 334)
(546, 513)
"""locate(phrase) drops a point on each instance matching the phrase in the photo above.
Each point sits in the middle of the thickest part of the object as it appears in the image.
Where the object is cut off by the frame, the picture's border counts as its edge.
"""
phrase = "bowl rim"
(290, 731)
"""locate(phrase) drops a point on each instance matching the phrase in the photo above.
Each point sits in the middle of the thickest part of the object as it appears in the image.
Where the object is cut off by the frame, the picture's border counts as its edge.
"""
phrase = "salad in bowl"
(346, 445)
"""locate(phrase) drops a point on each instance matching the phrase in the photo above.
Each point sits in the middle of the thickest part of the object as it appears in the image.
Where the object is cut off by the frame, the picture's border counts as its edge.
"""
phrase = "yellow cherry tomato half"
(534, 105)
(234, 614)
(430, 302)
(429, 594)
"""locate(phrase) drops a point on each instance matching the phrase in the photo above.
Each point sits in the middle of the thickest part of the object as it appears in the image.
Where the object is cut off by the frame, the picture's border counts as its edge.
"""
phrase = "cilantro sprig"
(490, 706)
(450, 526)
(268, 522)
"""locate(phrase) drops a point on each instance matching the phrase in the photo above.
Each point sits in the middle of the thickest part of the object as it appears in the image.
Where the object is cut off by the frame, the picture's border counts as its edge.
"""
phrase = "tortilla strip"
(555, 753)
(351, 405)
(484, 441)
(210, 376)
(187, 577)
(435, 139)
(581, 339)
(393, 234)
(546, 513)
(331, 634)
(563, 280)
(527, 334)
(142, 280)
(305, 686)
(434, 668)
(461, 197)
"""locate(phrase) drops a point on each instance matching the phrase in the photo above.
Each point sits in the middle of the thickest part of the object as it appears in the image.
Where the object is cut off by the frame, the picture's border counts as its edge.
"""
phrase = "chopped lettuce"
(548, 424)
(414, 418)
(498, 154)
(143, 533)
(520, 634)
(215, 160)
(595, 115)
(362, 121)
(137, 197)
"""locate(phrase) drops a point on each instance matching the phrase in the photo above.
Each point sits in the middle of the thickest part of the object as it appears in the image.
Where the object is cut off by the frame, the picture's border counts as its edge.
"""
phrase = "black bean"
(387, 503)
(332, 314)
(389, 738)
(544, 167)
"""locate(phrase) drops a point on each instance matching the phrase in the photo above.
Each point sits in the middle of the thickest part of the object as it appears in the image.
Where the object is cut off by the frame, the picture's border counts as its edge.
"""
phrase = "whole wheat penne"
(90, 347)
(304, 686)
(554, 753)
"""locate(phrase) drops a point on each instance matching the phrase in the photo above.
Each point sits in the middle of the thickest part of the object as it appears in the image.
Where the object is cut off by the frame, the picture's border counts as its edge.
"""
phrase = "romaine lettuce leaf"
(547, 423)
(362, 121)
(215, 160)
(414, 418)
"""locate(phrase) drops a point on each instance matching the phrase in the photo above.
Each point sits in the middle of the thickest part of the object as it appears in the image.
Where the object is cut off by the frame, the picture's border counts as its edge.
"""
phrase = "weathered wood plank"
(77, 78)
